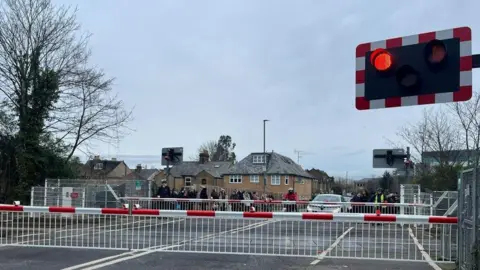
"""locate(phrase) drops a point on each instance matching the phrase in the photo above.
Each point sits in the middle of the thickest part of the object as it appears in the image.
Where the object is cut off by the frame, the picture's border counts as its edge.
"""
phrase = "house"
(195, 173)
(322, 183)
(281, 173)
(142, 174)
(98, 168)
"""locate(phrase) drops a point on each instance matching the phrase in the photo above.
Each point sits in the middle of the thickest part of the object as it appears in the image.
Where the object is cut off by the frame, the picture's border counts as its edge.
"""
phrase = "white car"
(326, 203)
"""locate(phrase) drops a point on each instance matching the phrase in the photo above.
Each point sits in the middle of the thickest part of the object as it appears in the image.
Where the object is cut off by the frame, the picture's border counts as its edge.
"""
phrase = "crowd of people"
(380, 196)
(188, 192)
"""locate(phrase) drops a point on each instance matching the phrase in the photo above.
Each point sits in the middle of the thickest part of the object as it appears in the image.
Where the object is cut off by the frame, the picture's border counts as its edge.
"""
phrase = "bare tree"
(433, 133)
(209, 146)
(85, 109)
(467, 116)
(91, 113)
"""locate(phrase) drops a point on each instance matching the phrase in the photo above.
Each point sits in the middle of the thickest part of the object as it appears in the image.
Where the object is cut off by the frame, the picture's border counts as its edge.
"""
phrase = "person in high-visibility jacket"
(379, 197)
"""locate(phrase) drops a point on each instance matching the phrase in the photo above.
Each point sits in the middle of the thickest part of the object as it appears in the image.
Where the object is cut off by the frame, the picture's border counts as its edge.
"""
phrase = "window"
(188, 181)
(204, 181)
(254, 179)
(275, 180)
(235, 179)
(286, 180)
(258, 159)
(98, 166)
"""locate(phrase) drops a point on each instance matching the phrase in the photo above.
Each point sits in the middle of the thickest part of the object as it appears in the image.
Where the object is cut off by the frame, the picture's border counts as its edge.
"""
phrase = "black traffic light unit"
(172, 156)
(428, 68)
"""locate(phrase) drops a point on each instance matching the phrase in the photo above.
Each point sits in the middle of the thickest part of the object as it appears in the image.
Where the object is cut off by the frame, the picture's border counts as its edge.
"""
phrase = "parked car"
(328, 203)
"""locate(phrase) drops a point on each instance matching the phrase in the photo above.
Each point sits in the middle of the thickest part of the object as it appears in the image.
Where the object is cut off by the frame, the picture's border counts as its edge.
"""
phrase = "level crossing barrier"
(316, 235)
(277, 206)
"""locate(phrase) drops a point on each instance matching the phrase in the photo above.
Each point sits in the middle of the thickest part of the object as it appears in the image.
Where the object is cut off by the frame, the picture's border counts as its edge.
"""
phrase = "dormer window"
(98, 166)
(258, 159)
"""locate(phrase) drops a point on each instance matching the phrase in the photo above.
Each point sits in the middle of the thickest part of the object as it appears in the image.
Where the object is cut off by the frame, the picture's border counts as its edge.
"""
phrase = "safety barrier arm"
(182, 200)
(324, 217)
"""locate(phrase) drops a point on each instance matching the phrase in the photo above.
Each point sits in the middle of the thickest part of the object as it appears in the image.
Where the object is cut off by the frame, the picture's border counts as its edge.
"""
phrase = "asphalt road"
(213, 244)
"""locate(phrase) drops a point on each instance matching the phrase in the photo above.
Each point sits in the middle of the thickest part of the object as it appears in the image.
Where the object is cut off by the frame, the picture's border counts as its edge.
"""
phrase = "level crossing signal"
(428, 68)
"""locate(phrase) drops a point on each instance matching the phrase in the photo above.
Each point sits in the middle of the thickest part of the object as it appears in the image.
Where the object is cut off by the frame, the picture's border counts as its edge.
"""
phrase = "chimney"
(114, 159)
(97, 157)
(204, 157)
(138, 168)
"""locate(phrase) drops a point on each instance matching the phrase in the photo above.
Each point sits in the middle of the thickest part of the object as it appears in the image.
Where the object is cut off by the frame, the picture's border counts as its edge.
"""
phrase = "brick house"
(281, 173)
(98, 168)
(196, 173)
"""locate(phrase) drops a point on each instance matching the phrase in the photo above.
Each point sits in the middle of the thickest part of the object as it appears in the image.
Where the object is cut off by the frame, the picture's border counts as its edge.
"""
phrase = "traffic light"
(428, 68)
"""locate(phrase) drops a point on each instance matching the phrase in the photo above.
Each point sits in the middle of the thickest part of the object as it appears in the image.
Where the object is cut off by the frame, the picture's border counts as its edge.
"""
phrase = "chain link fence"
(97, 193)
(468, 203)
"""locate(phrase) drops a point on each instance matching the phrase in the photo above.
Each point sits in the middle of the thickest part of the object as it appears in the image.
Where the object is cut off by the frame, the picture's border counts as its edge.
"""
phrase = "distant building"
(433, 158)
(281, 173)
(98, 168)
(196, 173)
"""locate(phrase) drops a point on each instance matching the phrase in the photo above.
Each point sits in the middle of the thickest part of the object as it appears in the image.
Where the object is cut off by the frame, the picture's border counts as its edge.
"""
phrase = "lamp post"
(265, 157)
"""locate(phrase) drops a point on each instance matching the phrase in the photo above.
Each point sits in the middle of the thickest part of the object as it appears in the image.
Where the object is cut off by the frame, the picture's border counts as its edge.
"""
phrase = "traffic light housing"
(172, 156)
(434, 67)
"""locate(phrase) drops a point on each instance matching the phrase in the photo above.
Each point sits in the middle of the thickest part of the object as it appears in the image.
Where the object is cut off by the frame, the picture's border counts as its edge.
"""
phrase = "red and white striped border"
(464, 94)
(333, 217)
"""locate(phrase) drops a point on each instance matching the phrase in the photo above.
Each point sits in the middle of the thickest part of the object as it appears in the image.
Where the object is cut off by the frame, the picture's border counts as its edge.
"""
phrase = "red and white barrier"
(335, 217)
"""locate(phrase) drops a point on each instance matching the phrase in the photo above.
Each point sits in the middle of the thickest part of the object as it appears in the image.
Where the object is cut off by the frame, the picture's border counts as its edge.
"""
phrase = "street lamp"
(265, 157)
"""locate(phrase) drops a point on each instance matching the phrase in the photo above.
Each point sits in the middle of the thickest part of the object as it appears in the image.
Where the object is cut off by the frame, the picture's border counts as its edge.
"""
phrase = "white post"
(45, 193)
(402, 199)
(32, 192)
(59, 192)
(431, 209)
(83, 198)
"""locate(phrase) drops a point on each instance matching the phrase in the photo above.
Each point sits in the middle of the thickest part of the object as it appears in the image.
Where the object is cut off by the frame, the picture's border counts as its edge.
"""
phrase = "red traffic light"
(381, 59)
(435, 52)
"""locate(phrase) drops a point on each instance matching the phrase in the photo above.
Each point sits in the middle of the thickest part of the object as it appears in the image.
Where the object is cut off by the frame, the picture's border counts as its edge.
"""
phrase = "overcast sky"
(195, 70)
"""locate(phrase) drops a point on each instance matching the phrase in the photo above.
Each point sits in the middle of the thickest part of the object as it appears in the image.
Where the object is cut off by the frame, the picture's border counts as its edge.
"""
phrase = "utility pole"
(265, 156)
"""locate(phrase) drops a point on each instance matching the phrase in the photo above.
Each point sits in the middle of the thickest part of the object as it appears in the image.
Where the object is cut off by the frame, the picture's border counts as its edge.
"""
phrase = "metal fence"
(468, 203)
(275, 206)
(88, 192)
(317, 235)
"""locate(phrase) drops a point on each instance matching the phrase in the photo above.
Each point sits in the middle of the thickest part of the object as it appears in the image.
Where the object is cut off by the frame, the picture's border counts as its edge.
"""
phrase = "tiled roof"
(143, 174)
(277, 164)
(192, 168)
(108, 166)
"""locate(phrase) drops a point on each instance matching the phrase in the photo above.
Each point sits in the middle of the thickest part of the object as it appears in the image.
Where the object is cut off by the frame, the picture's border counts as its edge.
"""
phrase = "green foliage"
(443, 177)
(223, 149)
(386, 180)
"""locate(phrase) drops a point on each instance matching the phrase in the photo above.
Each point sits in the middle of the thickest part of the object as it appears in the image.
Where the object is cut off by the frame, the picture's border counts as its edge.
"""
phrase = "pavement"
(178, 243)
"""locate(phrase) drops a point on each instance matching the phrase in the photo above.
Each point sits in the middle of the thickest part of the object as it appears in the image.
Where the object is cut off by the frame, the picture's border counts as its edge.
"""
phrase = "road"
(216, 244)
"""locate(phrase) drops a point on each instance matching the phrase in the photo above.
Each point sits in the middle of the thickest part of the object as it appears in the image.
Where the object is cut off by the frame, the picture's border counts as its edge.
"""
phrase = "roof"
(277, 164)
(192, 168)
(143, 174)
(108, 166)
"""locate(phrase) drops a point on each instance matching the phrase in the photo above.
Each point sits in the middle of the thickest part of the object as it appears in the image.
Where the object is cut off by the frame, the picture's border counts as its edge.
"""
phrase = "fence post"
(32, 192)
(474, 206)
(150, 194)
(460, 209)
(59, 192)
(45, 193)
(431, 209)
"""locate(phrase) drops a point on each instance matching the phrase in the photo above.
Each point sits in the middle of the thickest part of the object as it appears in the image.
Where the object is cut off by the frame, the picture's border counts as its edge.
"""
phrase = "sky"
(195, 70)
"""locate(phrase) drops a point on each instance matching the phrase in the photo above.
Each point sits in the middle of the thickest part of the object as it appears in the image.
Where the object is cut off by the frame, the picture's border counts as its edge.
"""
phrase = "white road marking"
(422, 250)
(135, 254)
(325, 252)
(84, 234)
